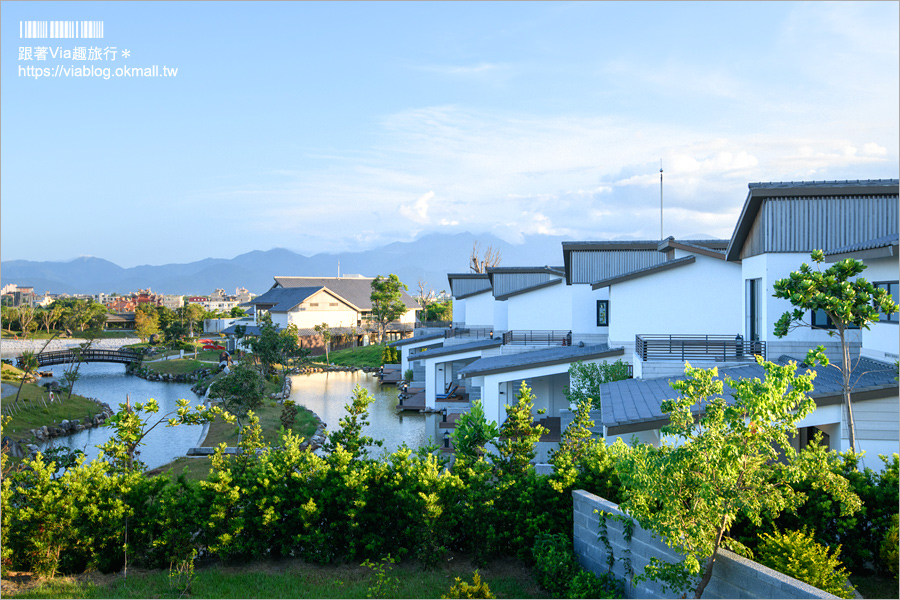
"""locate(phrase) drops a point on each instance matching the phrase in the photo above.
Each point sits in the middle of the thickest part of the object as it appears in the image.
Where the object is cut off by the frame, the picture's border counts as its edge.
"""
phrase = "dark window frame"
(605, 312)
(887, 285)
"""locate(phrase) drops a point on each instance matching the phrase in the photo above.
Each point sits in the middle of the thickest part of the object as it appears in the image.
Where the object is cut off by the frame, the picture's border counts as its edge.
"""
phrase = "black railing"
(61, 357)
(478, 332)
(697, 347)
(535, 337)
(435, 324)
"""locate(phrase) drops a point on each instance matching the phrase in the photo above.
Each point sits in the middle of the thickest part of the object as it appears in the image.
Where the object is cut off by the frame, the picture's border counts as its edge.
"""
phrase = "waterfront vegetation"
(105, 334)
(338, 508)
(361, 356)
(35, 410)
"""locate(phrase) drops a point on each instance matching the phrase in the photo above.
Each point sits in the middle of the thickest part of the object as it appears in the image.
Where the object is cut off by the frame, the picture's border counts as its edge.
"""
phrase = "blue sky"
(345, 126)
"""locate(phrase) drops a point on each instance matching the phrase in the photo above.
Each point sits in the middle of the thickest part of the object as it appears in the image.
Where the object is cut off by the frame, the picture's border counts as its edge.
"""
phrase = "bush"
(797, 554)
(555, 565)
(889, 550)
(588, 585)
(476, 589)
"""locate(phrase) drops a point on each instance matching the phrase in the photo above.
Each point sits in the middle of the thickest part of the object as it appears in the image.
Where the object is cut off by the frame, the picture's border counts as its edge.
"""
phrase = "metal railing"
(534, 337)
(478, 332)
(435, 324)
(60, 357)
(697, 347)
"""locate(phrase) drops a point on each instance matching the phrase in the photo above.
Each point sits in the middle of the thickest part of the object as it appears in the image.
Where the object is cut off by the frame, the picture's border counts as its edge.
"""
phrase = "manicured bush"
(797, 554)
(554, 563)
(586, 584)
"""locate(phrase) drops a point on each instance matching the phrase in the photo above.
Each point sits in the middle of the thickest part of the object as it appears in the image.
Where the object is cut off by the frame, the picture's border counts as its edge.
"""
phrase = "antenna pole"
(660, 200)
(339, 269)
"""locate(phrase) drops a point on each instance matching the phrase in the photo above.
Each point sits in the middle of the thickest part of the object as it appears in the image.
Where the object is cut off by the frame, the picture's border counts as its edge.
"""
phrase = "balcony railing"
(697, 347)
(469, 332)
(537, 338)
(435, 324)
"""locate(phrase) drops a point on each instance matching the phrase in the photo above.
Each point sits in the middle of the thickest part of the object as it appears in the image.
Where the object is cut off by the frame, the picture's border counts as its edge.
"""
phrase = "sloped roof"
(634, 404)
(284, 299)
(883, 246)
(458, 348)
(531, 288)
(669, 264)
(781, 189)
(416, 339)
(537, 358)
(354, 290)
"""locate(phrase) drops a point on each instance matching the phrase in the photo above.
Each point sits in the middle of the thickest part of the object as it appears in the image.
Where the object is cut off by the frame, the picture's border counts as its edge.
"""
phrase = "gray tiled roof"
(635, 401)
(879, 242)
(537, 358)
(355, 290)
(416, 339)
(458, 348)
(284, 299)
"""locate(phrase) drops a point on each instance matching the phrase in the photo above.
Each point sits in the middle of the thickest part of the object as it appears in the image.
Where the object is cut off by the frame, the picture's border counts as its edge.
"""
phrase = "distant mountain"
(428, 258)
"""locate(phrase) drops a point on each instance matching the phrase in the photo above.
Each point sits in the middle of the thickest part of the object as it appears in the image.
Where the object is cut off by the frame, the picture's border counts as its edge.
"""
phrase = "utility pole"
(660, 200)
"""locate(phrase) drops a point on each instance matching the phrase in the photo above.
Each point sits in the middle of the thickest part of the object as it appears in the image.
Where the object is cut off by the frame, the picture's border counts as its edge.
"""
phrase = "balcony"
(536, 337)
(697, 347)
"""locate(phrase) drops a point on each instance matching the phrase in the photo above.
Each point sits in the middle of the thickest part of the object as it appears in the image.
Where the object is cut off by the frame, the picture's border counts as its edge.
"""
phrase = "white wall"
(703, 297)
(546, 308)
(479, 310)
(459, 310)
(770, 268)
(584, 312)
(501, 317)
(882, 340)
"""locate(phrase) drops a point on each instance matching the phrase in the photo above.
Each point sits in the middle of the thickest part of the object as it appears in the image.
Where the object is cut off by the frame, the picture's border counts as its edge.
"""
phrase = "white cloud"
(418, 211)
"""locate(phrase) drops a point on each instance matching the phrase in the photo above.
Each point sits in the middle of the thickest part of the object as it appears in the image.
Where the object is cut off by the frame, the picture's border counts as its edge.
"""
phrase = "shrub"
(586, 584)
(797, 554)
(555, 565)
(476, 589)
(889, 551)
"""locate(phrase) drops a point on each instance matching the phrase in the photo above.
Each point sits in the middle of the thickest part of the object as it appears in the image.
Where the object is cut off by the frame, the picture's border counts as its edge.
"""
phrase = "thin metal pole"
(660, 200)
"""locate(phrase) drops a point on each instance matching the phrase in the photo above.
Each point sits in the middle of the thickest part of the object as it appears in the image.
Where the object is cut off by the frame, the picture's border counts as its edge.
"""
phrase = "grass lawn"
(289, 578)
(363, 356)
(269, 419)
(34, 414)
(178, 366)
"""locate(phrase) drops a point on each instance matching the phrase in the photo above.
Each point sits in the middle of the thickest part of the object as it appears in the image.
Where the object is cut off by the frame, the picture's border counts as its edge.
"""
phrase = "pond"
(323, 393)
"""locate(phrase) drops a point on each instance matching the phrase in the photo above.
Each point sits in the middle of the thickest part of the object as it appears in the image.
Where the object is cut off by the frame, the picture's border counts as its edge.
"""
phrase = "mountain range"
(428, 258)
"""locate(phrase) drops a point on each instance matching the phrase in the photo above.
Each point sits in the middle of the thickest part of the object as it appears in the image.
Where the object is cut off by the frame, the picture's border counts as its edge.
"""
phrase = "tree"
(26, 320)
(724, 463)
(241, 391)
(49, 316)
(192, 314)
(146, 323)
(29, 364)
(480, 265)
(585, 380)
(349, 436)
(325, 331)
(847, 300)
(387, 302)
(266, 346)
(472, 433)
(518, 435)
(439, 311)
(237, 312)
(10, 315)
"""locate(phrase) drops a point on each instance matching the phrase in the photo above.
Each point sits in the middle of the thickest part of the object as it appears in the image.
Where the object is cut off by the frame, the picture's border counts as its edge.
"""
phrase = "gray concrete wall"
(733, 576)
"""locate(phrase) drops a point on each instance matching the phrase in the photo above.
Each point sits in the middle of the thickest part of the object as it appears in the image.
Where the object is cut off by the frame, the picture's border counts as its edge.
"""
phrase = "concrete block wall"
(733, 576)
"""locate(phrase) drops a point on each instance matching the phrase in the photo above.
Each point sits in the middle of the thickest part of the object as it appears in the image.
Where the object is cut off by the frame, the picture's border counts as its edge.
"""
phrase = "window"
(313, 303)
(892, 288)
(332, 304)
(602, 313)
(820, 320)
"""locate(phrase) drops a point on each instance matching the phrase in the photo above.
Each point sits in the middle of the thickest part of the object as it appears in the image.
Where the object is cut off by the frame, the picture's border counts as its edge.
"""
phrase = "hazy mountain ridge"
(428, 258)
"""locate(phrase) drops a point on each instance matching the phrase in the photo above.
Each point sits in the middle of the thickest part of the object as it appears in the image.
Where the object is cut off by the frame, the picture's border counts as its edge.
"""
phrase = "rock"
(65, 425)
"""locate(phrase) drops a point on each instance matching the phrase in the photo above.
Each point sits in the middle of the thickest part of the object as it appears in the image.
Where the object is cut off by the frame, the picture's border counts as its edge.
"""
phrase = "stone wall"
(733, 576)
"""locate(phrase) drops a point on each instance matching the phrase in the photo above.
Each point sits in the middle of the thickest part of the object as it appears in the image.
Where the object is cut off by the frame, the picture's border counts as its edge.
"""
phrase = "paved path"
(11, 348)
(8, 389)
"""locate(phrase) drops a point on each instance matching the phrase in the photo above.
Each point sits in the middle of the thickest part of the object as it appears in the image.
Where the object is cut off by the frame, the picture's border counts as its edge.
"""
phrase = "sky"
(330, 127)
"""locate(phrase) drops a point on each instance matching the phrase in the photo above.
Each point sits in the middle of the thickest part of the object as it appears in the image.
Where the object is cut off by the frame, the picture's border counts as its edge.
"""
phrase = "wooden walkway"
(416, 400)
(390, 375)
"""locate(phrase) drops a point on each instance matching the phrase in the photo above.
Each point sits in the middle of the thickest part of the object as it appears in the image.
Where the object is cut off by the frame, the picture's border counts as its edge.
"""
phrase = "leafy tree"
(349, 437)
(9, 315)
(27, 322)
(325, 331)
(72, 373)
(439, 311)
(585, 380)
(577, 441)
(473, 432)
(725, 463)
(241, 391)
(518, 435)
(146, 323)
(237, 312)
(49, 316)
(267, 345)
(387, 302)
(847, 300)
(29, 364)
(192, 314)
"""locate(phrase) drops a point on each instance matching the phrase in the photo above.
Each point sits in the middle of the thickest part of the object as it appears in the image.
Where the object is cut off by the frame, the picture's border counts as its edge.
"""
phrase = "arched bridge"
(63, 357)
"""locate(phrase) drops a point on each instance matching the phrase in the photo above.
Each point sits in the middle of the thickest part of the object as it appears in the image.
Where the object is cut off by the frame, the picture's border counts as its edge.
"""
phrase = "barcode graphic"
(61, 29)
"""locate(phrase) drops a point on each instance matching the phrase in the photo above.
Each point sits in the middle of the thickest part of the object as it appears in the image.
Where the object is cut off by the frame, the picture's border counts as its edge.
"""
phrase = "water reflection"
(326, 394)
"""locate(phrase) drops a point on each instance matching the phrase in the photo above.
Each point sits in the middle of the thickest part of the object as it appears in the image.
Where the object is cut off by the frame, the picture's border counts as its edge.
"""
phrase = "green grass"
(178, 366)
(291, 579)
(269, 419)
(363, 356)
(35, 414)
